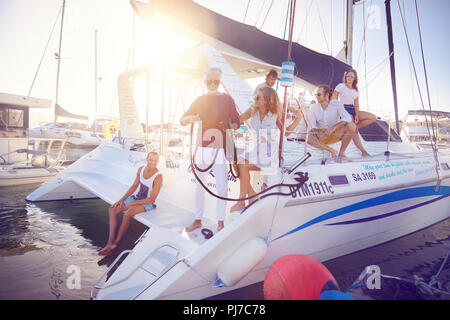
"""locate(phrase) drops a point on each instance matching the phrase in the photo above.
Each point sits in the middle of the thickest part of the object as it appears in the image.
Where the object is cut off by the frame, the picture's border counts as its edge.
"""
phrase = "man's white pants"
(203, 159)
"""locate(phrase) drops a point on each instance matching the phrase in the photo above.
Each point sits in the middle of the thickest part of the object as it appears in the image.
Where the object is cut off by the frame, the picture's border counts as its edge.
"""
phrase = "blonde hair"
(271, 100)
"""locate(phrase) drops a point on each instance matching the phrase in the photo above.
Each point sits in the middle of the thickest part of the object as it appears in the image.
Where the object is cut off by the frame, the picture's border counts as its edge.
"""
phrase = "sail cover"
(61, 112)
(311, 66)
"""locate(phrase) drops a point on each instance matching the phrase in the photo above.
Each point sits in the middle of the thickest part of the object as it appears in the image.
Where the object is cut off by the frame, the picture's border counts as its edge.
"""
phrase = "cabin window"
(338, 180)
(15, 118)
(13, 121)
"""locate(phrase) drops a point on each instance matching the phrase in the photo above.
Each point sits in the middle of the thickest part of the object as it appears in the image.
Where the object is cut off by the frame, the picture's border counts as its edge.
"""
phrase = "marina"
(39, 242)
(303, 199)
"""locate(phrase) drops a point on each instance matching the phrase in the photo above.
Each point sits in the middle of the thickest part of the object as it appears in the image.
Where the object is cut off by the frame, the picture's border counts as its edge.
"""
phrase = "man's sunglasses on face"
(216, 82)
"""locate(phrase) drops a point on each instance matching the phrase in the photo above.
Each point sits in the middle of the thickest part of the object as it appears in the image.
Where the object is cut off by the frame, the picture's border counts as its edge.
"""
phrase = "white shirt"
(268, 126)
(346, 95)
(318, 118)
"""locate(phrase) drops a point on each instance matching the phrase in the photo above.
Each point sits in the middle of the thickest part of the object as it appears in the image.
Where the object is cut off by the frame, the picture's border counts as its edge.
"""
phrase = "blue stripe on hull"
(388, 214)
(443, 191)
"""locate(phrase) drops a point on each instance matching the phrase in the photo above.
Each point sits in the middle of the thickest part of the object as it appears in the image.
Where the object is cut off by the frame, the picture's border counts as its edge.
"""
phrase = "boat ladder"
(172, 262)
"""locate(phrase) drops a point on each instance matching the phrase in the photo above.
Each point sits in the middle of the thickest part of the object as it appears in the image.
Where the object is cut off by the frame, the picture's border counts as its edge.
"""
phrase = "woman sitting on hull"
(264, 118)
(347, 93)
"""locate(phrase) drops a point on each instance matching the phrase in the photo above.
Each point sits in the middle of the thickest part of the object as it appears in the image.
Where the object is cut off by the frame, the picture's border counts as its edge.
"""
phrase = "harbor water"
(48, 250)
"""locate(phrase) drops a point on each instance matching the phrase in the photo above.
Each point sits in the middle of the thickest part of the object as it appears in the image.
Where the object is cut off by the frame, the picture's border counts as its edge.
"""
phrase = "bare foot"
(366, 155)
(195, 225)
(220, 225)
(107, 250)
(237, 207)
(342, 159)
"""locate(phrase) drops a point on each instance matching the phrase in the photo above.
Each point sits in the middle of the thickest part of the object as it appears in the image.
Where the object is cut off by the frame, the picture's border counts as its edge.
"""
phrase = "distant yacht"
(418, 127)
(24, 161)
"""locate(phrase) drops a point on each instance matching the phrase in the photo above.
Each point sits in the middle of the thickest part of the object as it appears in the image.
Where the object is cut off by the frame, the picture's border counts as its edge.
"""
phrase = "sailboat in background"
(315, 206)
(87, 134)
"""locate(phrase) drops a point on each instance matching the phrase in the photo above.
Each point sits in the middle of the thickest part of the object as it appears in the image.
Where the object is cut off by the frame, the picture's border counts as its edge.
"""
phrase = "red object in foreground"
(297, 277)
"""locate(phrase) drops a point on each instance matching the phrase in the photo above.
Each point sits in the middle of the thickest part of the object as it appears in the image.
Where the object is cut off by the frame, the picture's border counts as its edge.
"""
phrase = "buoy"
(241, 262)
(297, 277)
(335, 295)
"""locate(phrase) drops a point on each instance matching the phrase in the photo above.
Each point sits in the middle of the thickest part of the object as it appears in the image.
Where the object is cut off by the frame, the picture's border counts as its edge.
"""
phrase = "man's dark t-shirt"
(214, 110)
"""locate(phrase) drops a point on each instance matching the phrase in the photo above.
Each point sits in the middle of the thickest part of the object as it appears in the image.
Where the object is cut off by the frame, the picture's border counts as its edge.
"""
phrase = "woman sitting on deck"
(264, 118)
(347, 93)
(149, 179)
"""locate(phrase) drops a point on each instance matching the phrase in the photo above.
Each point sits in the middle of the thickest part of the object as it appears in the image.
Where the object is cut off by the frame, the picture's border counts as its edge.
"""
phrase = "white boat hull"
(29, 175)
(381, 200)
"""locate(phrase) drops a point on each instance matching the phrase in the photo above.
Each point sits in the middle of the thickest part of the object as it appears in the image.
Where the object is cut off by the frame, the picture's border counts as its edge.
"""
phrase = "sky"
(26, 25)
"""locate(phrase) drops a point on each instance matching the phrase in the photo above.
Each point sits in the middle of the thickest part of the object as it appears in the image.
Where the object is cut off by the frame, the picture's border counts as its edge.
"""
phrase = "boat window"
(445, 166)
(3, 117)
(15, 118)
(13, 121)
(338, 180)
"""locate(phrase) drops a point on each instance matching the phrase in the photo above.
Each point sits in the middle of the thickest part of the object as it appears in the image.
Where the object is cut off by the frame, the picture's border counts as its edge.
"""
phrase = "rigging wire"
(305, 22)
(377, 74)
(264, 21)
(365, 53)
(331, 26)
(432, 137)
(286, 20)
(414, 68)
(45, 50)
(410, 68)
(362, 41)
(425, 69)
(323, 29)
(246, 10)
(259, 14)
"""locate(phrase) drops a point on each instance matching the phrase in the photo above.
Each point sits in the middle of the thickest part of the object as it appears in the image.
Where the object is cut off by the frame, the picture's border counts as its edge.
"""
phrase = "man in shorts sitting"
(149, 181)
(330, 123)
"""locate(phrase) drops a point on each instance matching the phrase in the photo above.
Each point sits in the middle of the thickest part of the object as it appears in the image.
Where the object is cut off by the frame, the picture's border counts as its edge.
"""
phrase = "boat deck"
(174, 218)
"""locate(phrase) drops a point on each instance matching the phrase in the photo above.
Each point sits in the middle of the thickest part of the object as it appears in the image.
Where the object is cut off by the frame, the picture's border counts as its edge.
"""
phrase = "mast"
(59, 58)
(283, 119)
(392, 61)
(96, 84)
(349, 33)
(96, 79)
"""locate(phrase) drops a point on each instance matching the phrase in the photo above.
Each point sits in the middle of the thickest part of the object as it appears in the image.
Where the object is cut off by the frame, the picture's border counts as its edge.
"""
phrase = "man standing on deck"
(216, 111)
(330, 123)
(271, 78)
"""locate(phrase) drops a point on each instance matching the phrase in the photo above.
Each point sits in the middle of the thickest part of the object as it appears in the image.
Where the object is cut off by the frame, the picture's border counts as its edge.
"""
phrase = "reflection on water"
(43, 244)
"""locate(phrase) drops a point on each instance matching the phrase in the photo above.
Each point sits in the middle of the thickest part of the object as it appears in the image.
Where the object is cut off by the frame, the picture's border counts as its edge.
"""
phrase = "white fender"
(241, 262)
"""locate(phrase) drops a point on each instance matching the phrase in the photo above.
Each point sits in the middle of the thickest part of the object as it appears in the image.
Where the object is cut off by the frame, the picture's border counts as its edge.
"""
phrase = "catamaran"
(312, 205)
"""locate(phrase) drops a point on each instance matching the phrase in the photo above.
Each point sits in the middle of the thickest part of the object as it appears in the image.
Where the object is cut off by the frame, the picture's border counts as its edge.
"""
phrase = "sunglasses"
(349, 76)
(210, 82)
(318, 94)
